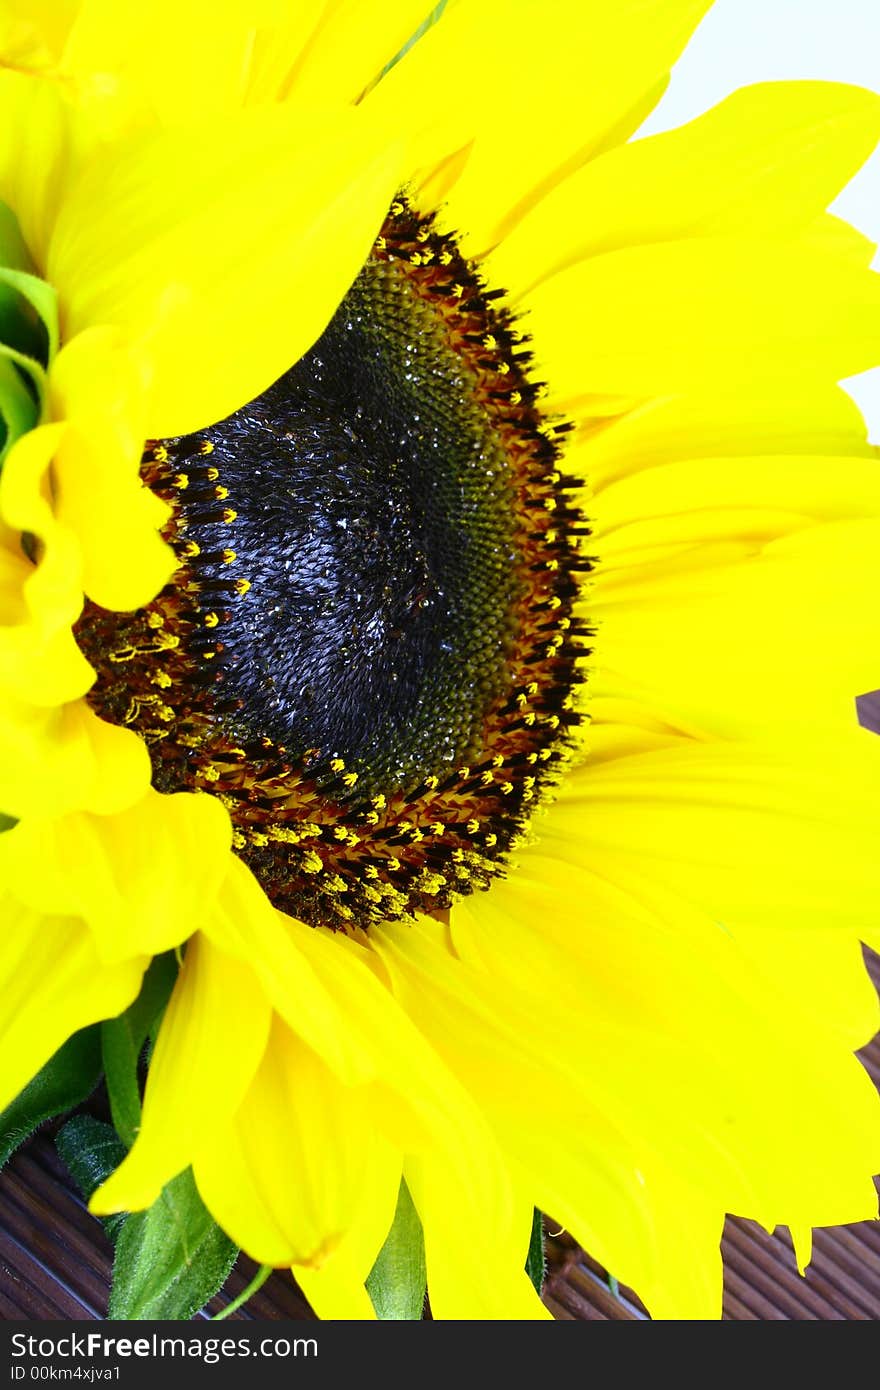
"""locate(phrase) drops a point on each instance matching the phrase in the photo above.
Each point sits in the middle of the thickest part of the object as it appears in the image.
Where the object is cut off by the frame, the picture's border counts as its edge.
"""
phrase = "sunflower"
(438, 565)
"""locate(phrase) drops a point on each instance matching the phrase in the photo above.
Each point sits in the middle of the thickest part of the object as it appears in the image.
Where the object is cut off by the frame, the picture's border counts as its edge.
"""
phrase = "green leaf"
(171, 1259)
(536, 1261)
(40, 296)
(18, 408)
(65, 1081)
(91, 1150)
(397, 1280)
(122, 1039)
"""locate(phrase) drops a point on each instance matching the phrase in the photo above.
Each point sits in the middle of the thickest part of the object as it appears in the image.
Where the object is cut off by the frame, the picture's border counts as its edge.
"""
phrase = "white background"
(742, 41)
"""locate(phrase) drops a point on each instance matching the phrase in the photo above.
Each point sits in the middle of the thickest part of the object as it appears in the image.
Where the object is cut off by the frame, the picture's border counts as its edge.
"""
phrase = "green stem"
(256, 1283)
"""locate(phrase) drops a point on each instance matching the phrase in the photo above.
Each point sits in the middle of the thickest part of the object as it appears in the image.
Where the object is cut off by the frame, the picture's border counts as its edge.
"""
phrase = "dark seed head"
(368, 650)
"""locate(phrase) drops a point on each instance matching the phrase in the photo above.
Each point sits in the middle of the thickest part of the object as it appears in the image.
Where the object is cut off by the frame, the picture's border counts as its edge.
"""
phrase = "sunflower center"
(369, 649)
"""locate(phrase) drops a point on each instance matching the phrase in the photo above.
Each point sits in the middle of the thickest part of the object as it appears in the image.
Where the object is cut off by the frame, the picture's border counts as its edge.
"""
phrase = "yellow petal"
(97, 389)
(459, 1175)
(39, 658)
(103, 59)
(274, 213)
(335, 1292)
(143, 879)
(580, 68)
(669, 1027)
(766, 161)
(718, 314)
(42, 144)
(219, 1063)
(33, 32)
(52, 983)
(244, 924)
(350, 46)
(302, 1166)
(830, 233)
(53, 761)
(500, 1049)
(492, 1286)
(747, 499)
(796, 813)
(734, 635)
(672, 428)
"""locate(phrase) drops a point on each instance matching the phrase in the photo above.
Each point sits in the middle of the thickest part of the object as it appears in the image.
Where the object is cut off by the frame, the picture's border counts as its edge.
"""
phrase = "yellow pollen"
(242, 586)
(211, 619)
(181, 481)
(229, 556)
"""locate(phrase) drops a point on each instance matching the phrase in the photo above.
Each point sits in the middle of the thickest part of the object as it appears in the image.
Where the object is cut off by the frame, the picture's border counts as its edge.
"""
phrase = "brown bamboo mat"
(55, 1261)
